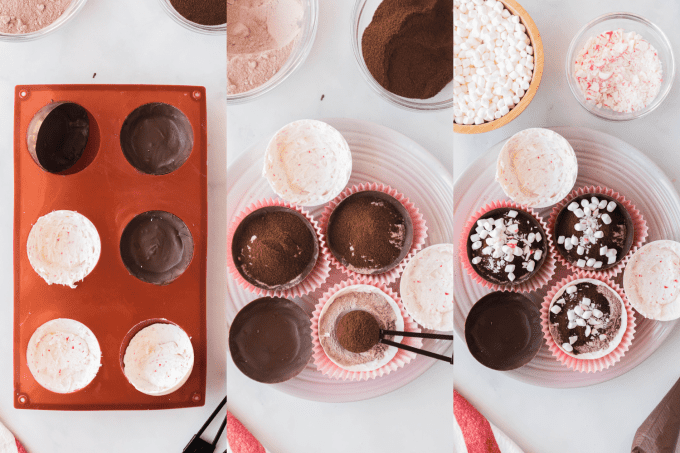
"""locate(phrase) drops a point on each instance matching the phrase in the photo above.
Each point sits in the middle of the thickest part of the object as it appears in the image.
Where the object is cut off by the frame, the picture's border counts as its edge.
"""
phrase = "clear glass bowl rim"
(71, 11)
(193, 26)
(299, 55)
(571, 52)
(418, 105)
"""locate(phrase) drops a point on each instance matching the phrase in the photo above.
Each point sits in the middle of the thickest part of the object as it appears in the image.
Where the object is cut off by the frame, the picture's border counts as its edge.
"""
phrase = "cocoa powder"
(367, 232)
(204, 12)
(408, 46)
(358, 331)
(273, 248)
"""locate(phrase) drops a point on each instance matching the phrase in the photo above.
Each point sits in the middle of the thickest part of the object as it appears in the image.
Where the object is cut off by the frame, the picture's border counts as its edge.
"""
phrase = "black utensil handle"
(434, 336)
(418, 351)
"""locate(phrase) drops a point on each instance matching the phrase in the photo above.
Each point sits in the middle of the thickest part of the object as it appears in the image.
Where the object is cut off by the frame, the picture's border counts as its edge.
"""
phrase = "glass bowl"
(362, 16)
(193, 26)
(628, 22)
(299, 54)
(72, 9)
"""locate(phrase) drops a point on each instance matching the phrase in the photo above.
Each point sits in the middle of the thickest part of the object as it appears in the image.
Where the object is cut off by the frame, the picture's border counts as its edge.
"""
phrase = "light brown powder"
(261, 35)
(26, 16)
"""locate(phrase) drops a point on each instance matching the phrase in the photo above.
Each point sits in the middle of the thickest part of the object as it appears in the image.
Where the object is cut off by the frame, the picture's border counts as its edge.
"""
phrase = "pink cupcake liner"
(313, 281)
(538, 280)
(639, 228)
(327, 367)
(588, 365)
(419, 232)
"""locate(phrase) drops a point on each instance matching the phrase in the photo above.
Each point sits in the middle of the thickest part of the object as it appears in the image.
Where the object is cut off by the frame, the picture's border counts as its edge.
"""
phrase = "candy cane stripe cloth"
(473, 433)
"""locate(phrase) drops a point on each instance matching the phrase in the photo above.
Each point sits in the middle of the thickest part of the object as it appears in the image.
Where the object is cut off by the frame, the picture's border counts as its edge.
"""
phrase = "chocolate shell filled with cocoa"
(275, 248)
(370, 232)
(507, 246)
(593, 232)
(156, 138)
(503, 330)
(57, 136)
(270, 340)
(156, 247)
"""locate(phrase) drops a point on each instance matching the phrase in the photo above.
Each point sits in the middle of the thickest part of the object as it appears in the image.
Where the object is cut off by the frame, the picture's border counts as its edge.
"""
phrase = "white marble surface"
(123, 41)
(604, 417)
(416, 418)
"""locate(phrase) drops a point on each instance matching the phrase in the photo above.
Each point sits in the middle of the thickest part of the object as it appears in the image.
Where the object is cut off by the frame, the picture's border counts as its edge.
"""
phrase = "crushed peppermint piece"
(618, 70)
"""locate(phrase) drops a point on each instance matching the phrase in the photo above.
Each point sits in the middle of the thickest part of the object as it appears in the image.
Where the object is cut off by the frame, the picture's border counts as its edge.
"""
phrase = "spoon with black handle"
(434, 336)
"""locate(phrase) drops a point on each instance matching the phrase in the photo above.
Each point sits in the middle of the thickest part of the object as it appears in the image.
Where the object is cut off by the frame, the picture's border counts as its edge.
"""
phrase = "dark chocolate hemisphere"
(57, 136)
(503, 330)
(492, 269)
(270, 340)
(156, 247)
(274, 247)
(156, 138)
(618, 235)
(370, 232)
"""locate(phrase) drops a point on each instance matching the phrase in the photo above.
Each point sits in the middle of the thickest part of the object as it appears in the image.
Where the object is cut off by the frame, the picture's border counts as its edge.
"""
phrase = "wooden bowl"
(537, 44)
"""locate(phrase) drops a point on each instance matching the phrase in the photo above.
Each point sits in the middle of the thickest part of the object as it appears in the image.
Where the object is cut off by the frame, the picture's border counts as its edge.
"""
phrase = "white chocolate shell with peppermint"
(536, 167)
(652, 280)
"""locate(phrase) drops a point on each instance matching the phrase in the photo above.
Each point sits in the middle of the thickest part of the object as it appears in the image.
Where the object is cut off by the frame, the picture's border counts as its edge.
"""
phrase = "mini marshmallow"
(571, 290)
(512, 214)
(606, 219)
(611, 206)
(567, 347)
(581, 263)
(555, 309)
(580, 322)
(476, 260)
(573, 339)
(560, 240)
(476, 245)
(538, 254)
(586, 301)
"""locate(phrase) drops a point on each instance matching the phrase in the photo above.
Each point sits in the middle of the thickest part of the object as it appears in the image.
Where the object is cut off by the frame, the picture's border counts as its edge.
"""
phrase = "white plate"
(603, 160)
(380, 155)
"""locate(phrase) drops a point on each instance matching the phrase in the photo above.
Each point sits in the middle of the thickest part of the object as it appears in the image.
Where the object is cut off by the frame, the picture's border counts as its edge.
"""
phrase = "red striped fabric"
(475, 427)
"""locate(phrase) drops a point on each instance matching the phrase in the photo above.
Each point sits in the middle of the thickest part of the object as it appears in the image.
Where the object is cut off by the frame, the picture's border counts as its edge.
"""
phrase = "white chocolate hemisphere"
(619, 71)
(63, 355)
(493, 61)
(652, 280)
(426, 287)
(159, 359)
(536, 167)
(63, 247)
(307, 162)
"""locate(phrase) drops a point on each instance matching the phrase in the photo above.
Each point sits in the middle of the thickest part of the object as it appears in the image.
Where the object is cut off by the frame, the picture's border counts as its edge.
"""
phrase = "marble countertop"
(603, 417)
(122, 41)
(416, 418)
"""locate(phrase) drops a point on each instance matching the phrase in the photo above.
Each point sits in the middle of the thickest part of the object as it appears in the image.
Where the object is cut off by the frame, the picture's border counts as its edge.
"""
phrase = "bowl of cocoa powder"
(405, 51)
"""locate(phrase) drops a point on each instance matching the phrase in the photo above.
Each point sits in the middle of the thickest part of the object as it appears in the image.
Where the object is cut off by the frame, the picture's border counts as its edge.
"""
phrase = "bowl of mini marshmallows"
(498, 63)
(620, 66)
